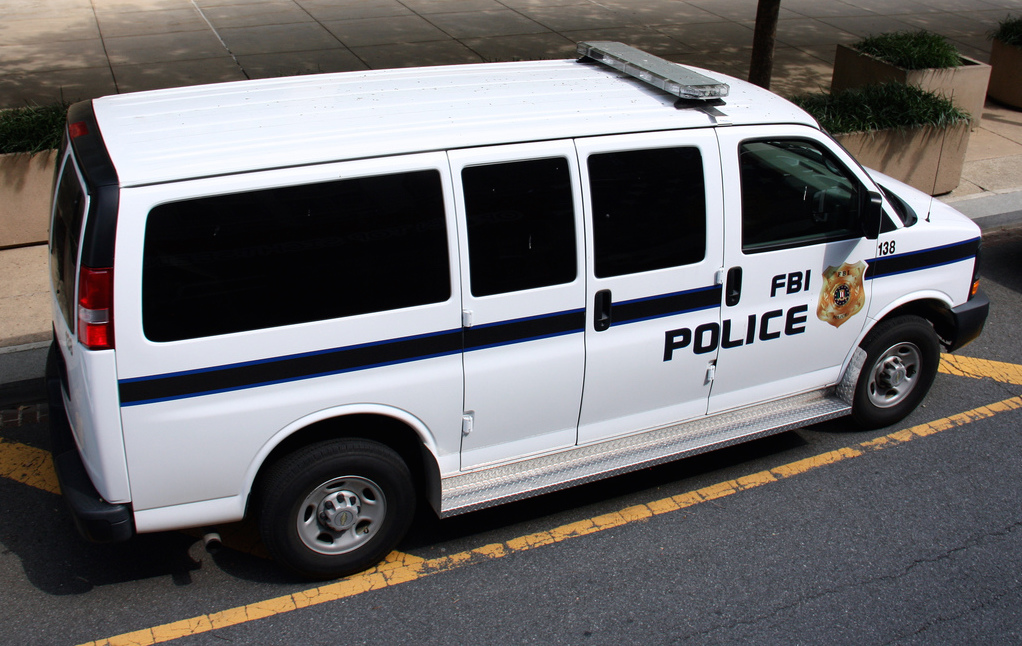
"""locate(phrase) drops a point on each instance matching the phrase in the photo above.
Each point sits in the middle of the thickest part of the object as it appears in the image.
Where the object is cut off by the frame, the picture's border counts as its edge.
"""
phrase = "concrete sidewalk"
(80, 49)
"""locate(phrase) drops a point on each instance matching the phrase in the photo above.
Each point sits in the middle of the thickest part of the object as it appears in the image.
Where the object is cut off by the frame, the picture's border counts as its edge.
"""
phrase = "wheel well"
(934, 311)
(388, 431)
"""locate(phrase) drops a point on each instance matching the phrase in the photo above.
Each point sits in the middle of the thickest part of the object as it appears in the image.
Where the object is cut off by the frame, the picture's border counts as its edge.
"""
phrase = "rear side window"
(521, 225)
(283, 256)
(649, 210)
(65, 238)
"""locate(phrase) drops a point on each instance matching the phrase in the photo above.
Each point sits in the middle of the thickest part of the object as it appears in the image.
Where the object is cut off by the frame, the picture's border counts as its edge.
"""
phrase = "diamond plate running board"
(507, 482)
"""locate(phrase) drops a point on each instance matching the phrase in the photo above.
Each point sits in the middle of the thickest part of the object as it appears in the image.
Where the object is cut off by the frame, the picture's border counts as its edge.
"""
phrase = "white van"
(317, 299)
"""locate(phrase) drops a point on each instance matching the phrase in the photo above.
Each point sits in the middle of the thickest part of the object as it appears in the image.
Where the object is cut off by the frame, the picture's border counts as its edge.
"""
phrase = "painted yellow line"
(28, 465)
(402, 568)
(1009, 373)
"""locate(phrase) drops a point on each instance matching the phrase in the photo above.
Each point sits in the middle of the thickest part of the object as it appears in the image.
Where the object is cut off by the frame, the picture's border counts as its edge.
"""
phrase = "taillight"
(95, 308)
(77, 129)
(974, 289)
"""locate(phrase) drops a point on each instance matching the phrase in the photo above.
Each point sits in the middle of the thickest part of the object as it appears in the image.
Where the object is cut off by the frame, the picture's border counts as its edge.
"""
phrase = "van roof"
(200, 131)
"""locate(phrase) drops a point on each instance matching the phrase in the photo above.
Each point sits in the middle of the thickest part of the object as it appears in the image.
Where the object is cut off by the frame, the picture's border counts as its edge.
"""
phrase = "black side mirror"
(872, 215)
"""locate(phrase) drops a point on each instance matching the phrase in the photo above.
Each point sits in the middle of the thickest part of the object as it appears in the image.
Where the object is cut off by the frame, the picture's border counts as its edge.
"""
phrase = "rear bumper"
(968, 320)
(96, 519)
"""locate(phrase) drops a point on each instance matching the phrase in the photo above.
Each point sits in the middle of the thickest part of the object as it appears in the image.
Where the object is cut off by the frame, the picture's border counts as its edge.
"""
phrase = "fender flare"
(428, 442)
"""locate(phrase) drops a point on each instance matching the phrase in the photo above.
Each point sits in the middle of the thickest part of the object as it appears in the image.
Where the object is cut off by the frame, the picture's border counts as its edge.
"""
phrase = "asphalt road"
(821, 535)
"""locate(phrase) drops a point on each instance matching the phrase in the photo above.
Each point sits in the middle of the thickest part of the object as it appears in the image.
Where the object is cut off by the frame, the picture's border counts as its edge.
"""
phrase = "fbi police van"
(317, 300)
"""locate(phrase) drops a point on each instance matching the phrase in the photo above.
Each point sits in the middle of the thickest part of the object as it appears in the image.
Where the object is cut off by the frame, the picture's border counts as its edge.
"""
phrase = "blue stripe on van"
(532, 328)
(277, 370)
(138, 391)
(924, 259)
(662, 305)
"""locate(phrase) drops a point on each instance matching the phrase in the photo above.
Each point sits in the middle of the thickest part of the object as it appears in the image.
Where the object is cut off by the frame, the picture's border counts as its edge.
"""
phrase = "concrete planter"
(25, 185)
(926, 157)
(965, 86)
(1006, 74)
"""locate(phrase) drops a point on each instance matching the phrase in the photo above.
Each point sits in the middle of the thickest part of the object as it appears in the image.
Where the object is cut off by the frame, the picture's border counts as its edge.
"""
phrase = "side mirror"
(872, 215)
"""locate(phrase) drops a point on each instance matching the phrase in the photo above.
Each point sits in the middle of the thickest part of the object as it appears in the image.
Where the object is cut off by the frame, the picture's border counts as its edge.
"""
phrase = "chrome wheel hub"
(341, 515)
(895, 374)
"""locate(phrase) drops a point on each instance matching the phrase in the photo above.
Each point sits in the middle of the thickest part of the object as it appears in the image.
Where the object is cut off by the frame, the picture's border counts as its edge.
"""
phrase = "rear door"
(653, 225)
(523, 298)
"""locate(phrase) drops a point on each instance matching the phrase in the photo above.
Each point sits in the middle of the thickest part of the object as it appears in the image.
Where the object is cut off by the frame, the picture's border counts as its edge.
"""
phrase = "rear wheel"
(901, 361)
(334, 508)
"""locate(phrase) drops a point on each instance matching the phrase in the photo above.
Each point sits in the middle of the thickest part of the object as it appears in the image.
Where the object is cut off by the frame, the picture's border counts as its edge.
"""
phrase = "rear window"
(521, 225)
(65, 238)
(268, 258)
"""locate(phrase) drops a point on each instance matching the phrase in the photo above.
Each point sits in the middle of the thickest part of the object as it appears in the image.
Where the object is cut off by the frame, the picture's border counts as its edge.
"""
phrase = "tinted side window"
(649, 210)
(291, 255)
(793, 194)
(65, 234)
(521, 225)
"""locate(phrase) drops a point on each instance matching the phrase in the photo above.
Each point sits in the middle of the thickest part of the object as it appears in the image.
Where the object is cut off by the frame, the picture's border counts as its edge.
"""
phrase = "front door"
(795, 259)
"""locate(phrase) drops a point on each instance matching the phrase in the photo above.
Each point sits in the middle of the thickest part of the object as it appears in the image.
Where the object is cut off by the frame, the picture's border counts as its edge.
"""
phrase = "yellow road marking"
(1009, 373)
(28, 465)
(402, 568)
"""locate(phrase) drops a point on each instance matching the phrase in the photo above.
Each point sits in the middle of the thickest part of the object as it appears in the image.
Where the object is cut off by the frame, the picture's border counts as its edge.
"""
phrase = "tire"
(901, 361)
(335, 508)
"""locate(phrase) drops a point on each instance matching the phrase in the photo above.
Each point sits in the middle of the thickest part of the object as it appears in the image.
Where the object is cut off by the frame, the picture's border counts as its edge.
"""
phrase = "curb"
(21, 373)
(991, 211)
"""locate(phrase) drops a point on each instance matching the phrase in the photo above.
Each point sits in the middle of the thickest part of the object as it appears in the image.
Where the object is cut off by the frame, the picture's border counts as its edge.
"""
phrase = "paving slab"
(578, 17)
(162, 48)
(24, 296)
(986, 144)
(48, 56)
(437, 52)
(652, 40)
(801, 32)
(41, 88)
(1000, 174)
(264, 13)
(862, 26)
(522, 47)
(817, 9)
(273, 39)
(722, 36)
(317, 61)
(484, 24)
(324, 10)
(154, 76)
(143, 23)
(73, 26)
(425, 7)
(403, 30)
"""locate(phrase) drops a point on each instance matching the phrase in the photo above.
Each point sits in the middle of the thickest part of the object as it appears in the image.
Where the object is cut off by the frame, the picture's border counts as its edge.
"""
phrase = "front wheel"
(334, 508)
(901, 361)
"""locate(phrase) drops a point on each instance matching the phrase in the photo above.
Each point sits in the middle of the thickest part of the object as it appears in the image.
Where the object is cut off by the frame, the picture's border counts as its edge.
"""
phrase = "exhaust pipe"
(212, 542)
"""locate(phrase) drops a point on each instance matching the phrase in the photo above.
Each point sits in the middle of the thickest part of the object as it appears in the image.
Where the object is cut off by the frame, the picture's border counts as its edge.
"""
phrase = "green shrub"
(32, 129)
(1009, 31)
(879, 107)
(911, 50)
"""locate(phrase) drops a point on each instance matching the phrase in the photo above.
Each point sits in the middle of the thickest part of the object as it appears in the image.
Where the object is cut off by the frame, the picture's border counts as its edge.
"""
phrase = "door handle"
(601, 310)
(733, 287)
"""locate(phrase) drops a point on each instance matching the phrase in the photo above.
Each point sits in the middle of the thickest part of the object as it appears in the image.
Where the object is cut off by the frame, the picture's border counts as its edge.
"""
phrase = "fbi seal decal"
(842, 295)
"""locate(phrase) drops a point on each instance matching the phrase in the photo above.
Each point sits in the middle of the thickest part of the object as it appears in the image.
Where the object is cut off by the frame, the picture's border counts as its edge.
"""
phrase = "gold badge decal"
(842, 295)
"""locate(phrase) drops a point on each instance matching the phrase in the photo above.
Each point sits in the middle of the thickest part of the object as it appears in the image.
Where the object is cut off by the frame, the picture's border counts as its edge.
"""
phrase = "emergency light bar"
(670, 77)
